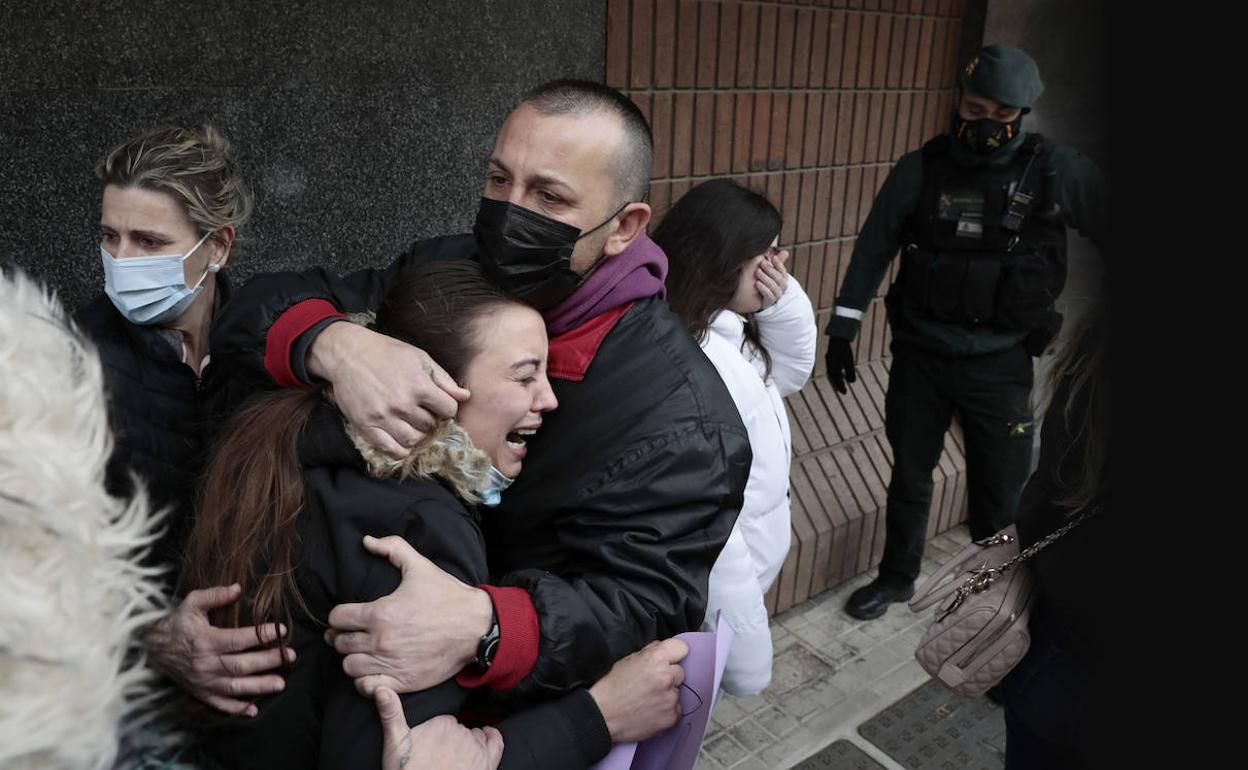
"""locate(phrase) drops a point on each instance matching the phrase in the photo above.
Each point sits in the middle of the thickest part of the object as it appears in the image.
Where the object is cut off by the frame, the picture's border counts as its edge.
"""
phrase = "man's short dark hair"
(635, 158)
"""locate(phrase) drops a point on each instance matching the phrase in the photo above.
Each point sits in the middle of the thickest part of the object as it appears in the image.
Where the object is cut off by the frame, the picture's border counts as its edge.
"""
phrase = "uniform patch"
(970, 228)
(1021, 429)
(966, 207)
(958, 203)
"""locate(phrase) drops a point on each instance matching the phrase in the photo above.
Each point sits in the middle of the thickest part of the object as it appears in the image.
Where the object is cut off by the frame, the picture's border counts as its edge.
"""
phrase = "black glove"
(840, 361)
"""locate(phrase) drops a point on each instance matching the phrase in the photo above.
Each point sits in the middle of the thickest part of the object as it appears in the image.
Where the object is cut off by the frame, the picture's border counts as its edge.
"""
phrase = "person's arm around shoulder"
(644, 544)
(390, 392)
(431, 518)
(422, 633)
(222, 667)
(286, 329)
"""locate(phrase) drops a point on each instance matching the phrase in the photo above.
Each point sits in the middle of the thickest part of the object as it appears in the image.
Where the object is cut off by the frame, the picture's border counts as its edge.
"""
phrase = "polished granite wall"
(361, 125)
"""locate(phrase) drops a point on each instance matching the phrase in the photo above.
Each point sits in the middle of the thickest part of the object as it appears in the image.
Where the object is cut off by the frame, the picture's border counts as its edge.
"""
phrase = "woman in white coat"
(727, 282)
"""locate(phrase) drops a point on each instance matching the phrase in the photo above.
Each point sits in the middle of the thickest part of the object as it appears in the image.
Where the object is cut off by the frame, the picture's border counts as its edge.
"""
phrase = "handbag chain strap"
(981, 578)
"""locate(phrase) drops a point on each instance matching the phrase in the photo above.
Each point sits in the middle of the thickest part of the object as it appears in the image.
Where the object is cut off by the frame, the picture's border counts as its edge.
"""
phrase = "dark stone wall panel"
(361, 126)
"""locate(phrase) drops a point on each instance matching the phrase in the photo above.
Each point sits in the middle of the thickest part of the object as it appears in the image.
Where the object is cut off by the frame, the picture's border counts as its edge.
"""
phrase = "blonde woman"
(173, 201)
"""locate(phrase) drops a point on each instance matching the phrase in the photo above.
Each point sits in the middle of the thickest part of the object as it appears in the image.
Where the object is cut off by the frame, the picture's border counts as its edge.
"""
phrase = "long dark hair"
(1078, 394)
(252, 493)
(707, 235)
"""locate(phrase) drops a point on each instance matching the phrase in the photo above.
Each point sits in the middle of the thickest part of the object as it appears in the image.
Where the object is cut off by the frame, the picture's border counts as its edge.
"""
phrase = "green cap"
(1004, 74)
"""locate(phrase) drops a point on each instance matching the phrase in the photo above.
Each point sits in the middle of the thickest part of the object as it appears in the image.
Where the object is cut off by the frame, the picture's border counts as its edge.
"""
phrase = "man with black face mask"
(979, 215)
(632, 485)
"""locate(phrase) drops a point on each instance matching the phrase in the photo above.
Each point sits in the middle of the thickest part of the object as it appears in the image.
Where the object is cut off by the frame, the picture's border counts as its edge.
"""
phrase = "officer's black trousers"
(991, 395)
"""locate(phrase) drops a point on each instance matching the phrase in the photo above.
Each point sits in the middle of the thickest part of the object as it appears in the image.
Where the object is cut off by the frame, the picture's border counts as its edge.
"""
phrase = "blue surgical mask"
(493, 495)
(150, 290)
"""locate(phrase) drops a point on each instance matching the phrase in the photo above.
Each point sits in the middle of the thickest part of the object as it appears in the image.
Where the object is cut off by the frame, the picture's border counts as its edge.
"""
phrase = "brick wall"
(809, 103)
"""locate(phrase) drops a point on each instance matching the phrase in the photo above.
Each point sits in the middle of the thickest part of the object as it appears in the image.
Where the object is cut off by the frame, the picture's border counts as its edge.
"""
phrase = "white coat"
(759, 542)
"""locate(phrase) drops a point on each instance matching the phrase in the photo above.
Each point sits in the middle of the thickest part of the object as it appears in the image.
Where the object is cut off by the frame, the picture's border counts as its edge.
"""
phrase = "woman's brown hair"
(252, 493)
(1080, 373)
(707, 236)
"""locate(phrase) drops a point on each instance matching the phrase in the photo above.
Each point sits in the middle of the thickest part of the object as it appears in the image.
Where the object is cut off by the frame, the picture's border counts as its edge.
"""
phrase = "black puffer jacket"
(628, 493)
(319, 721)
(163, 417)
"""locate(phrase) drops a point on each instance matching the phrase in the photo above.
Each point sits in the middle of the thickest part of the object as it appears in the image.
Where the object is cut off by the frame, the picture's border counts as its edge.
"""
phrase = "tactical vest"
(984, 248)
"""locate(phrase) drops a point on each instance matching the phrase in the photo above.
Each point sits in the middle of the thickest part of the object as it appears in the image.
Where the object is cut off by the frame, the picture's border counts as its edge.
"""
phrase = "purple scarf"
(636, 272)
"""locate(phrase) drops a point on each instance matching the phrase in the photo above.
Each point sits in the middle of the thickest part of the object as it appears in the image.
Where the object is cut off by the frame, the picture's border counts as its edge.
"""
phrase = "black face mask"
(985, 136)
(529, 255)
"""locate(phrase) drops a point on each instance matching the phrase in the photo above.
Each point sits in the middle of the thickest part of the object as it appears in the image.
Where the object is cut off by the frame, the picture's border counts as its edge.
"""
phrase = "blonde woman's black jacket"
(319, 720)
(163, 416)
(629, 491)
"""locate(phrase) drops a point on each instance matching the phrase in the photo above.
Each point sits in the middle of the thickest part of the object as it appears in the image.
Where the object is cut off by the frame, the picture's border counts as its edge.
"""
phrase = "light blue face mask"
(493, 495)
(151, 290)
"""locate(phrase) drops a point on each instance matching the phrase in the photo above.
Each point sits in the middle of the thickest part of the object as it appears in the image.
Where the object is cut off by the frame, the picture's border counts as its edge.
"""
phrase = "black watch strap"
(488, 645)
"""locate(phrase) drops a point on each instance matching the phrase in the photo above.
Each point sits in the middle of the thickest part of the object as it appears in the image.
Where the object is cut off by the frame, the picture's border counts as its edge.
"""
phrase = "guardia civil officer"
(978, 217)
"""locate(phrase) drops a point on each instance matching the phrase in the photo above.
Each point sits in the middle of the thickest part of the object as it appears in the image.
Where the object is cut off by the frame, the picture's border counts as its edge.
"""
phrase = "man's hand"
(440, 743)
(218, 666)
(421, 635)
(638, 696)
(840, 361)
(391, 392)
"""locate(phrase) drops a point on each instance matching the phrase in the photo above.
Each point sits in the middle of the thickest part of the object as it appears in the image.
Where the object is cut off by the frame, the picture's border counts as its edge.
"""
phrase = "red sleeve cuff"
(296, 320)
(518, 638)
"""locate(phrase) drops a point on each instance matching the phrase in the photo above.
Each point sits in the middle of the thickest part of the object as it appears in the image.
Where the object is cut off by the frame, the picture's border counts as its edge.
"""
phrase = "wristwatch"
(488, 645)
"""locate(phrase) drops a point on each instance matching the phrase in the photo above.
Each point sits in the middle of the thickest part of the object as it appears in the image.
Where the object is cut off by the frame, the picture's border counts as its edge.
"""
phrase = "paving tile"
(776, 721)
(831, 673)
(706, 762)
(834, 621)
(841, 755)
(860, 640)
(797, 669)
(727, 711)
(881, 631)
(837, 652)
(784, 644)
(807, 702)
(752, 736)
(752, 703)
(792, 620)
(899, 682)
(774, 756)
(725, 750)
(861, 673)
(812, 636)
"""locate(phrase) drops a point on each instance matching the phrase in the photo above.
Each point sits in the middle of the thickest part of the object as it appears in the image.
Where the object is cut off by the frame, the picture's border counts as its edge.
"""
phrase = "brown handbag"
(980, 631)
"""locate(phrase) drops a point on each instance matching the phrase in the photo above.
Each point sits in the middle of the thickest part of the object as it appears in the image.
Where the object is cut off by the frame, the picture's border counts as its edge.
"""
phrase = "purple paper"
(620, 758)
(677, 747)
